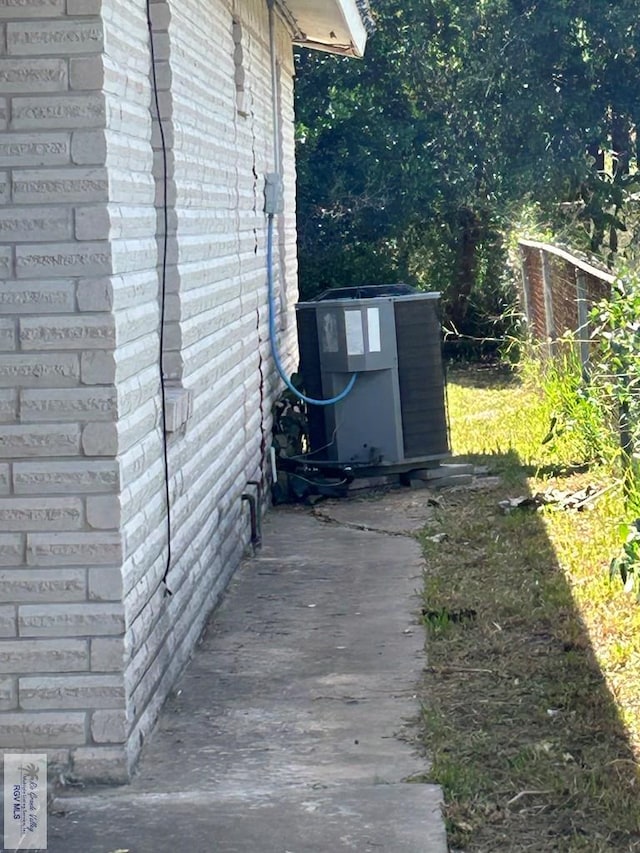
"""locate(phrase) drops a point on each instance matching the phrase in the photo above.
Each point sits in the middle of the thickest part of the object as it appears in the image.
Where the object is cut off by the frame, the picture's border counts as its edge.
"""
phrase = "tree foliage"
(413, 161)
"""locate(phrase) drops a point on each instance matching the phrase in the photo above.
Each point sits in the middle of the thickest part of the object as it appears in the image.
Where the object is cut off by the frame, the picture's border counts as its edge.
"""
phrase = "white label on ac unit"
(354, 332)
(328, 332)
(373, 328)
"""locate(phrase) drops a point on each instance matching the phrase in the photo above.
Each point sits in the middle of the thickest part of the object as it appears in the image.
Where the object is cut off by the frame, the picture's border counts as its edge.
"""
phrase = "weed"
(437, 621)
(581, 428)
(627, 564)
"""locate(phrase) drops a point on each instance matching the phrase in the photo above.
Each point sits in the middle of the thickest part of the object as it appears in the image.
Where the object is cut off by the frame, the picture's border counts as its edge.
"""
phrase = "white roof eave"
(334, 26)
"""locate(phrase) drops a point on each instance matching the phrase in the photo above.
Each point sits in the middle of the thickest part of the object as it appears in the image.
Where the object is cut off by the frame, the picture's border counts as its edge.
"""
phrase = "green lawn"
(532, 687)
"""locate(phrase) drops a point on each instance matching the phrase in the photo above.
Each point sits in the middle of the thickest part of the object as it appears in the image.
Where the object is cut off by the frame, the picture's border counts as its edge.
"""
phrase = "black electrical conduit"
(255, 523)
(163, 290)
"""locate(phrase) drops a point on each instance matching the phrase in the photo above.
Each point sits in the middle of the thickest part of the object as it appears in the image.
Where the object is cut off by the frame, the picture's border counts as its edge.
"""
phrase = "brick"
(100, 439)
(84, 7)
(7, 334)
(8, 694)
(135, 391)
(107, 654)
(61, 260)
(8, 627)
(134, 255)
(71, 691)
(45, 149)
(136, 356)
(104, 764)
(74, 549)
(178, 406)
(36, 297)
(5, 479)
(137, 222)
(57, 111)
(11, 549)
(165, 103)
(32, 75)
(139, 531)
(164, 76)
(98, 368)
(42, 585)
(135, 289)
(104, 512)
(108, 726)
(5, 188)
(68, 404)
(28, 730)
(22, 656)
(52, 371)
(169, 134)
(137, 323)
(6, 261)
(79, 332)
(54, 37)
(93, 294)
(64, 477)
(54, 186)
(64, 620)
(23, 225)
(31, 8)
(105, 584)
(40, 514)
(88, 147)
(39, 440)
(160, 16)
(86, 72)
(92, 223)
(8, 405)
(138, 425)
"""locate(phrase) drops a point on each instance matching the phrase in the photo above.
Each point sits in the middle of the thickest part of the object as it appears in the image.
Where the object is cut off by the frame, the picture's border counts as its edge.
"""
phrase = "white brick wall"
(89, 643)
(58, 557)
(215, 289)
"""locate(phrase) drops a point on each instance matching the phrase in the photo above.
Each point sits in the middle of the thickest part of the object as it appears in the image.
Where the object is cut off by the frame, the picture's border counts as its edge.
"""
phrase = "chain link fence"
(559, 290)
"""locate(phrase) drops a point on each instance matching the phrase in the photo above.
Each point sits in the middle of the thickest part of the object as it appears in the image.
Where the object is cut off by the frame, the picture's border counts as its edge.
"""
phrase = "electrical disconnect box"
(390, 336)
(273, 193)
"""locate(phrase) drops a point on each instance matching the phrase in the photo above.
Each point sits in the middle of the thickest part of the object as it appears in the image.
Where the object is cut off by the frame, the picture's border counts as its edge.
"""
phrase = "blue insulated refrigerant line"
(274, 340)
(270, 284)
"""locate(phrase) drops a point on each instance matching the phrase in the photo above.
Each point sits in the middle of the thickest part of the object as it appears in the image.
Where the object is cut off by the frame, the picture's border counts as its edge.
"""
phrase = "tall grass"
(545, 411)
(582, 426)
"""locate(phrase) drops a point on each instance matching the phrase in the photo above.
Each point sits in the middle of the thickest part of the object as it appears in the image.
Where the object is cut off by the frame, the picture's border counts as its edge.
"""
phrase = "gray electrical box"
(390, 336)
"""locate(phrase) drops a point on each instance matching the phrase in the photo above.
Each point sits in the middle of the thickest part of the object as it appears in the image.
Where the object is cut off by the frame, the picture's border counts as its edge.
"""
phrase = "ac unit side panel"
(421, 378)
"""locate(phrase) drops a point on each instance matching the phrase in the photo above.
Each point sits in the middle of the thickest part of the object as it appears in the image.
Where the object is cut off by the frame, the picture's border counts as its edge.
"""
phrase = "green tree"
(412, 161)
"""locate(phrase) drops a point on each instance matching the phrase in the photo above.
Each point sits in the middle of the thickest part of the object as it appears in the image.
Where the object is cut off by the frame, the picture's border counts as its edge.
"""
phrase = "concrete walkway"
(290, 730)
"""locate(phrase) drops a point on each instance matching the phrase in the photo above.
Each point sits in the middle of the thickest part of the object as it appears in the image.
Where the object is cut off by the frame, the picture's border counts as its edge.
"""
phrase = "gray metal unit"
(390, 337)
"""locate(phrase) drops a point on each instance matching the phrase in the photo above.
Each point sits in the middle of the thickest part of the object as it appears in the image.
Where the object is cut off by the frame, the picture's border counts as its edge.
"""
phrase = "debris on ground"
(438, 538)
(578, 500)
